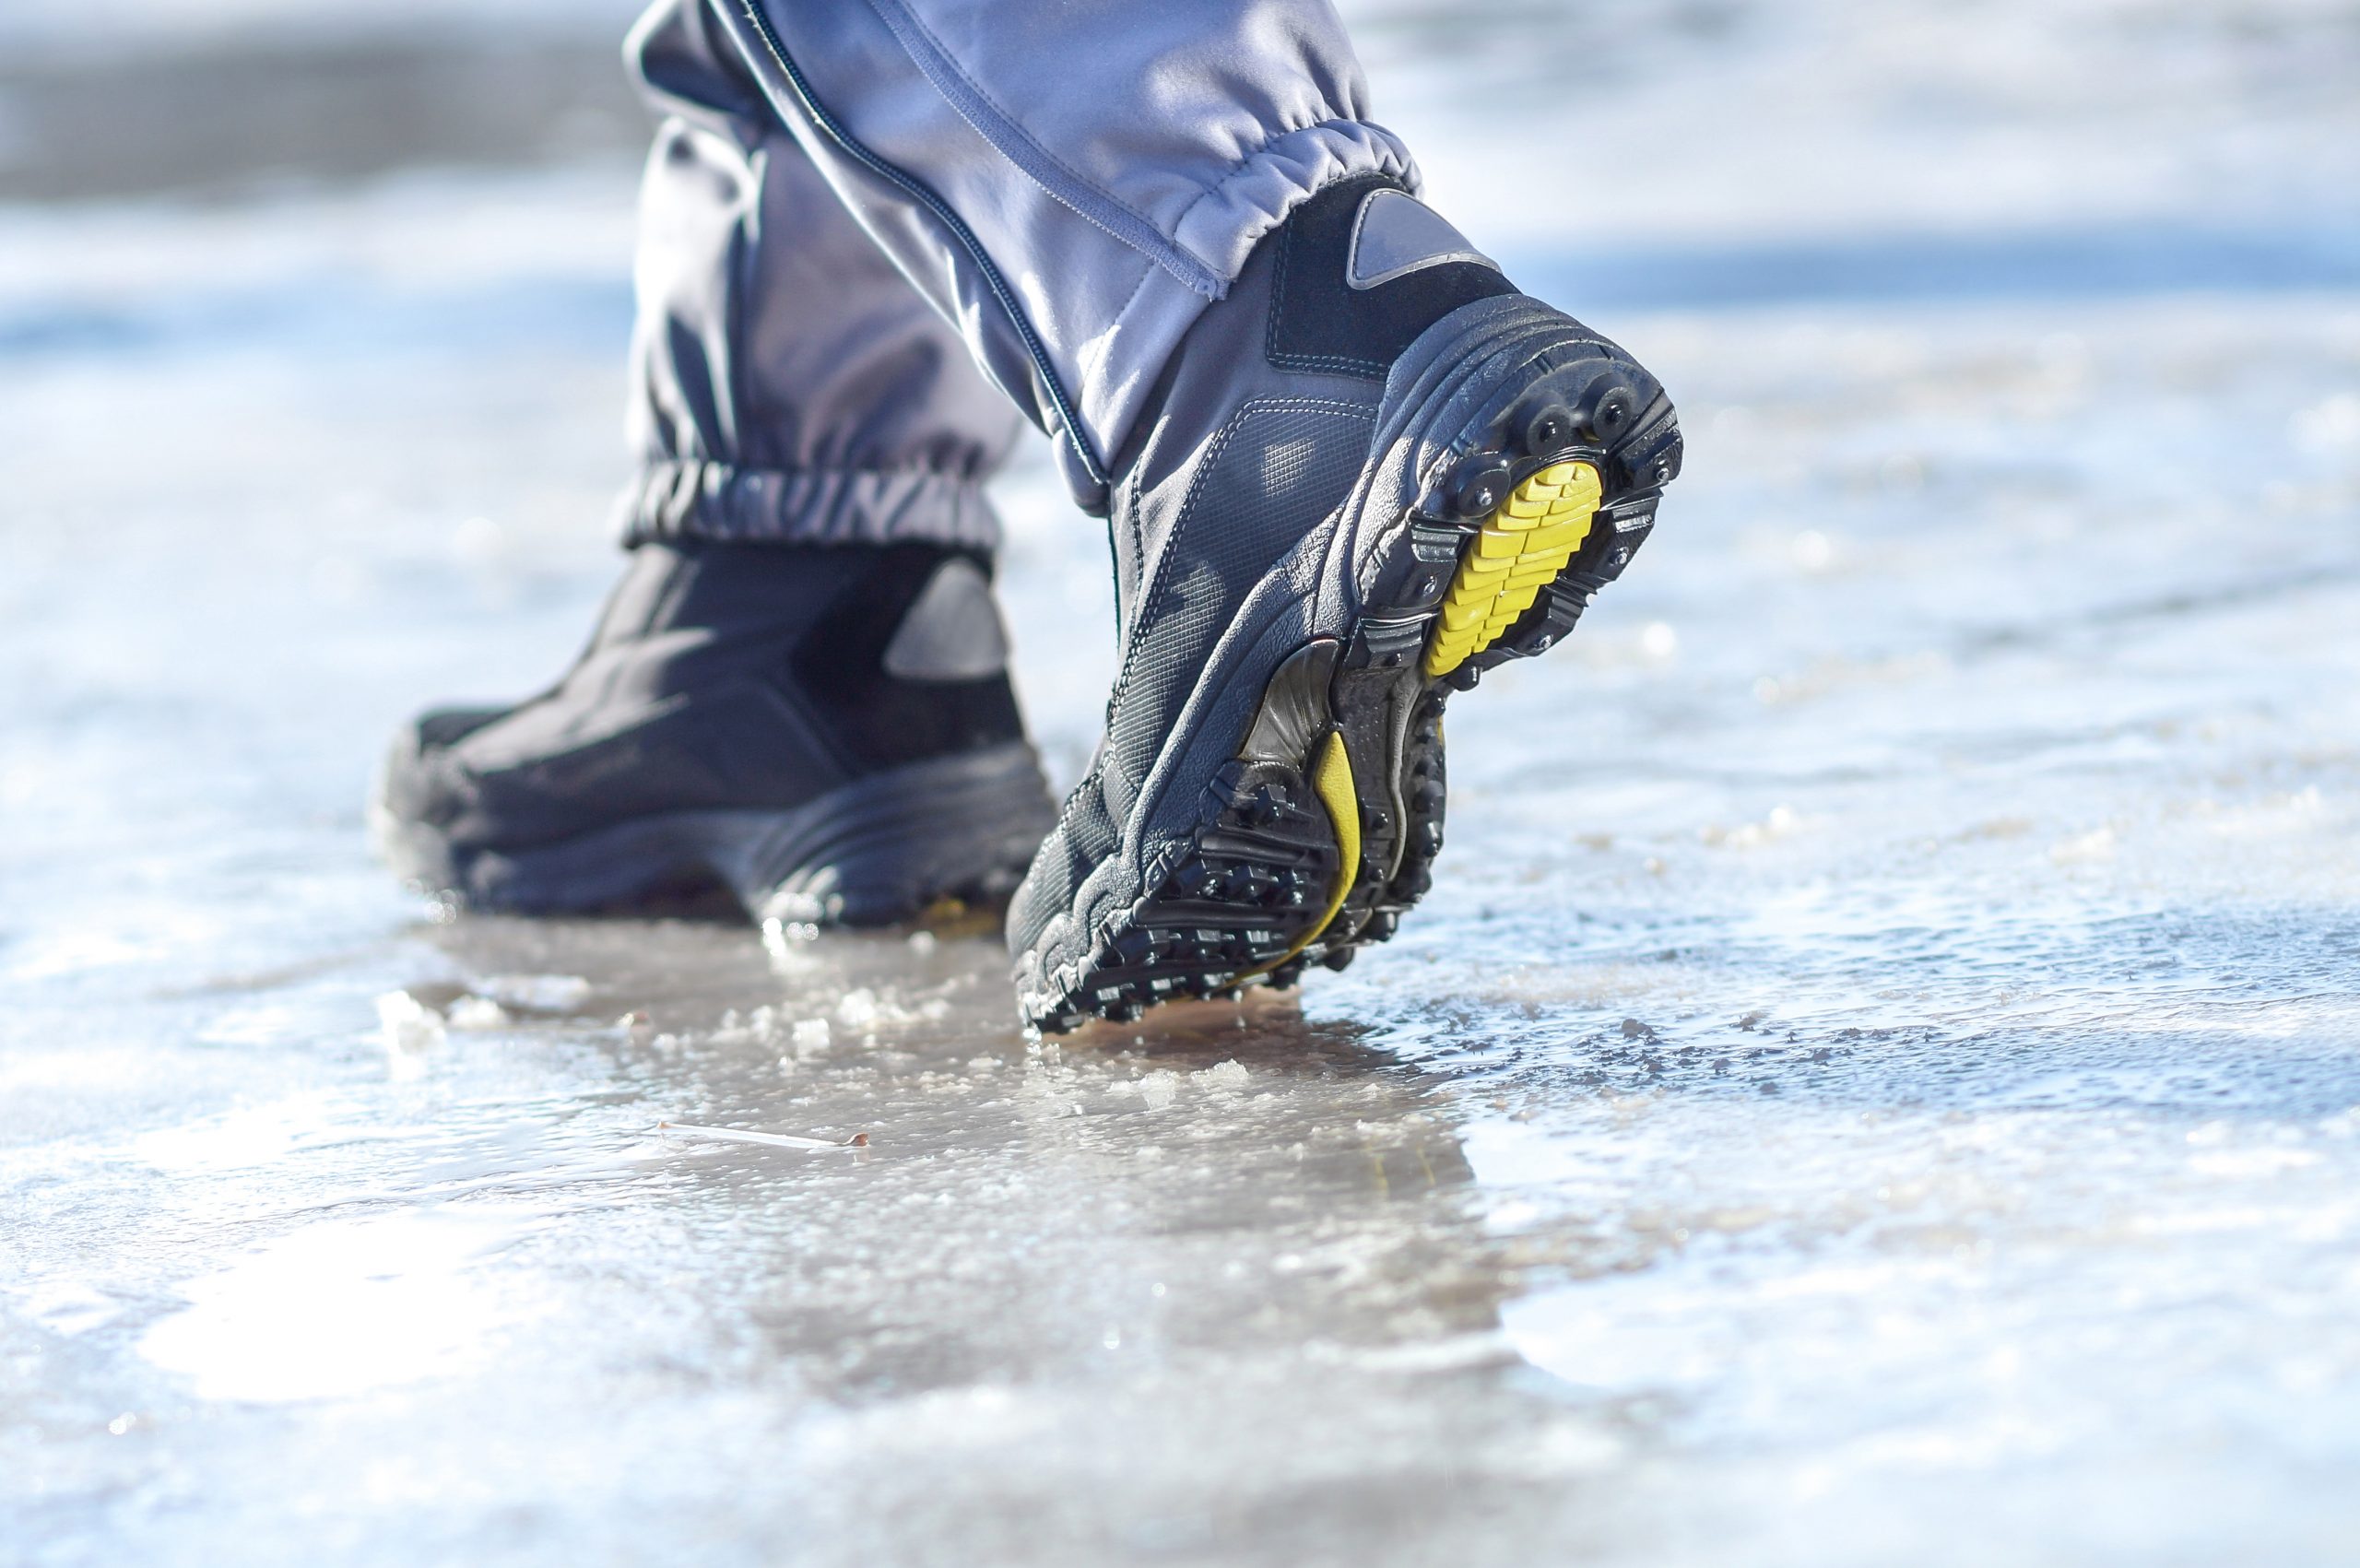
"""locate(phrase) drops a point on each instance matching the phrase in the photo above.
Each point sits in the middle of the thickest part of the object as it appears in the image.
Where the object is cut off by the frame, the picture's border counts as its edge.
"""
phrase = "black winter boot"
(1371, 473)
(826, 732)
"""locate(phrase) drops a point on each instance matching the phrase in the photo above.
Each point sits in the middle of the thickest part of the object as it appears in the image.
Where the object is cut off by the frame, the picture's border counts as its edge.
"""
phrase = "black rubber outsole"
(1260, 893)
(876, 852)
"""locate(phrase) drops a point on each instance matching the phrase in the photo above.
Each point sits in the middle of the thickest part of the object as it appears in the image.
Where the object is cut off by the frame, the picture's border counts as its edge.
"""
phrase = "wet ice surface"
(1875, 1083)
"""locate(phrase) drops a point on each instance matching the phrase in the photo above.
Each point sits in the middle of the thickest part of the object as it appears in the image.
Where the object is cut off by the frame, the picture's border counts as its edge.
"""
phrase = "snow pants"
(877, 235)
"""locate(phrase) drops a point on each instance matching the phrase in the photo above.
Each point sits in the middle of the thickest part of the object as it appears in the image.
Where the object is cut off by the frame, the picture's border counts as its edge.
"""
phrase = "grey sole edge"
(875, 852)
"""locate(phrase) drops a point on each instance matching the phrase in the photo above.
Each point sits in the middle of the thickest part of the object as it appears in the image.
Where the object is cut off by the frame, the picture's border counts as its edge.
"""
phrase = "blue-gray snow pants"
(877, 235)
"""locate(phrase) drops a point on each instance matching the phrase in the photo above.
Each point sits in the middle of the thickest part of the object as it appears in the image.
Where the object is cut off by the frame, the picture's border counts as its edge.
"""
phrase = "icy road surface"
(1878, 1081)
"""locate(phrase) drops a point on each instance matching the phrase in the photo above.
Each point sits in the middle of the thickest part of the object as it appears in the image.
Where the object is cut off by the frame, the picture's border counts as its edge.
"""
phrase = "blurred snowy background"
(1910, 1111)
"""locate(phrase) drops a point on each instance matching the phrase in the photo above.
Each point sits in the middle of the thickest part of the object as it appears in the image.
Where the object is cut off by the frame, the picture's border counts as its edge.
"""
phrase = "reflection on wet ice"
(340, 1307)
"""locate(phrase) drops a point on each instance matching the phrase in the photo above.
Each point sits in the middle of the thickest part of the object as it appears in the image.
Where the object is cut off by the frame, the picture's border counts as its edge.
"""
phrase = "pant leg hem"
(1222, 225)
(692, 498)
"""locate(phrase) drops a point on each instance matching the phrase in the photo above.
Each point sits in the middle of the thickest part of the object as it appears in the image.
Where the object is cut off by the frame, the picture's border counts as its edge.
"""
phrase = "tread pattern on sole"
(1517, 552)
(1332, 782)
(1306, 852)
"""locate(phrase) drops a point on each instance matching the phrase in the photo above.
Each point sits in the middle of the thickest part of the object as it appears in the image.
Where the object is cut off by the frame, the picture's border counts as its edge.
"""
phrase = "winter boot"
(1371, 473)
(826, 732)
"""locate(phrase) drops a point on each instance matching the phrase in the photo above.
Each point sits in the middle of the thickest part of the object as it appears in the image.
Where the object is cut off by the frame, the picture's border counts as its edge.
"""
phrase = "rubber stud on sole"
(1331, 780)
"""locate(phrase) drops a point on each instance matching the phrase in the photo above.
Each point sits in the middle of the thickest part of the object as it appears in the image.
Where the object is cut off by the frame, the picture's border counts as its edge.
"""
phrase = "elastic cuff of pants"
(1222, 225)
(695, 499)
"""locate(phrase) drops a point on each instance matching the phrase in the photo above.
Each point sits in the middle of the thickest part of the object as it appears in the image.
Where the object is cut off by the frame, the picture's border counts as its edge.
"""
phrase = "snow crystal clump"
(410, 1029)
(1160, 1089)
(477, 1012)
(1227, 1077)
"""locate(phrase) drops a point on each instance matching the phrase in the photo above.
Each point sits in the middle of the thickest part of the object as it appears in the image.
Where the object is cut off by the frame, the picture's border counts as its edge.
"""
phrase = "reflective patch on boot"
(1395, 234)
(952, 632)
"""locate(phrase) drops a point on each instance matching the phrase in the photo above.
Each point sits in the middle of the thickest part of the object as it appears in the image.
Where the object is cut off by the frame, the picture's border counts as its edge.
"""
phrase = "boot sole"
(874, 853)
(1322, 830)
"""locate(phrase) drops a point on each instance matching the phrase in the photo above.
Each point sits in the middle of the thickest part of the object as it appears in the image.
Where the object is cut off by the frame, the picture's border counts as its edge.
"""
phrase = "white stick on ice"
(776, 1141)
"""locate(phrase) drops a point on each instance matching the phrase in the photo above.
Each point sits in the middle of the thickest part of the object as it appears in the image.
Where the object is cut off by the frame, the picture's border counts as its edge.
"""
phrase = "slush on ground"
(1877, 1078)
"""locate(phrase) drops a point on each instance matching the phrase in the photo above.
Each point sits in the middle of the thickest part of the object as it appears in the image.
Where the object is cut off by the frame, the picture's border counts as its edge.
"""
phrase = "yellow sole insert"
(1331, 780)
(1519, 550)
